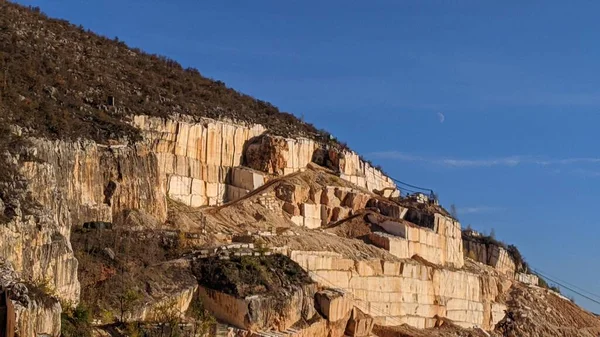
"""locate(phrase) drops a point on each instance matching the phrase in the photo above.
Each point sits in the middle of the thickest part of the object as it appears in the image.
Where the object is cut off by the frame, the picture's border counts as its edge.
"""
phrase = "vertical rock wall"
(39, 319)
(72, 183)
(441, 245)
(490, 254)
(197, 158)
(397, 292)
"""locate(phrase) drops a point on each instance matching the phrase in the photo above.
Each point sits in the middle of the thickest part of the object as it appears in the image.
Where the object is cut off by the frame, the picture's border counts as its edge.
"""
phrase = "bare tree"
(203, 321)
(453, 211)
(167, 313)
(127, 301)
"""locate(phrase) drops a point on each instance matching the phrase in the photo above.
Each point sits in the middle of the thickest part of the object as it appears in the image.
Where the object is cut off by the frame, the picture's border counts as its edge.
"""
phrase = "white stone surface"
(406, 292)
(527, 278)
(211, 150)
(443, 247)
(247, 178)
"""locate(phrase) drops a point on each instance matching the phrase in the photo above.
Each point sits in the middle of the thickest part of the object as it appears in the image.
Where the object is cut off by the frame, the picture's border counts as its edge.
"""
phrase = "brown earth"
(541, 312)
(445, 328)
(57, 80)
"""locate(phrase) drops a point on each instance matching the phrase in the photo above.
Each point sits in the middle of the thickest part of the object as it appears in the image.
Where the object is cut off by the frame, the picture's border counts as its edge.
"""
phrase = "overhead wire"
(568, 287)
(409, 185)
(540, 272)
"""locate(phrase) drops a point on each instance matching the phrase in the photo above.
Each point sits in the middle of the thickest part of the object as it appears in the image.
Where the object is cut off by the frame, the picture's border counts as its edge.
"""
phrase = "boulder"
(247, 178)
(292, 193)
(329, 198)
(360, 324)
(267, 154)
(356, 200)
(340, 213)
(291, 208)
(334, 304)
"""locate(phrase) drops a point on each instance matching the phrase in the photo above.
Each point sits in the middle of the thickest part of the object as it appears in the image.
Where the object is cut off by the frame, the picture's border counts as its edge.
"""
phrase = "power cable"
(409, 185)
(538, 271)
(569, 288)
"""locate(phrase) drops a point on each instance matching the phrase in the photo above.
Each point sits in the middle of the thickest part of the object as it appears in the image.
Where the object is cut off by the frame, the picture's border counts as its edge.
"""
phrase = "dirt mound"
(535, 311)
(354, 227)
(444, 328)
(307, 240)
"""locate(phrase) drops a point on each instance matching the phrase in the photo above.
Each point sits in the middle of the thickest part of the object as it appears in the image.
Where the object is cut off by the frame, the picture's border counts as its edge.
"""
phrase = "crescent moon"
(441, 117)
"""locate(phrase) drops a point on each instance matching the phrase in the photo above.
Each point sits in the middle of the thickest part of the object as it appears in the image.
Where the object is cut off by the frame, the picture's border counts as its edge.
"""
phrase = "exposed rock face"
(360, 324)
(74, 183)
(411, 271)
(256, 293)
(527, 278)
(177, 301)
(403, 263)
(441, 245)
(39, 319)
(267, 154)
(492, 255)
(197, 158)
(395, 293)
(41, 253)
(37, 314)
(79, 182)
(261, 312)
(330, 158)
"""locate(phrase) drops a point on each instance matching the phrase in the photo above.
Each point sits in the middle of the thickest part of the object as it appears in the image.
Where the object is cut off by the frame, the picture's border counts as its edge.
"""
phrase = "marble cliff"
(265, 189)
(139, 197)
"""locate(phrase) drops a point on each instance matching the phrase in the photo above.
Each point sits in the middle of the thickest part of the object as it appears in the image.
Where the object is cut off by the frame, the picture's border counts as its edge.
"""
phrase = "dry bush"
(56, 78)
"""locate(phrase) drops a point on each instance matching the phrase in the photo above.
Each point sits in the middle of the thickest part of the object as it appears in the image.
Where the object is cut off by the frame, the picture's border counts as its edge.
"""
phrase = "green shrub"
(202, 320)
(76, 322)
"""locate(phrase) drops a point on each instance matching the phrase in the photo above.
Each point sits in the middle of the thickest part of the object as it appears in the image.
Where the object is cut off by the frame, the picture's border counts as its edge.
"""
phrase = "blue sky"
(517, 83)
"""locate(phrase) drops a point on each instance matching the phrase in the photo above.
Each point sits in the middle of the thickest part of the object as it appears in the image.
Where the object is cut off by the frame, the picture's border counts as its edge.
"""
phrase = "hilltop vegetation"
(56, 80)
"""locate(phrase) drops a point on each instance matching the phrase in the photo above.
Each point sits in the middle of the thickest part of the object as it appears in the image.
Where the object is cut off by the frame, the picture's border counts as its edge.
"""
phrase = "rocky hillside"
(139, 198)
(60, 78)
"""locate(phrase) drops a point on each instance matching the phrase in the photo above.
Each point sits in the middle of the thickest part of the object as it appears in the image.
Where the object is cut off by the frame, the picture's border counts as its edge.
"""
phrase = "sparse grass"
(202, 320)
(55, 80)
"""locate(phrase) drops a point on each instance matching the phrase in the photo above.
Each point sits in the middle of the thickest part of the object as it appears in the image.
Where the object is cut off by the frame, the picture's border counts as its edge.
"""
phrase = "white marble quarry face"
(212, 152)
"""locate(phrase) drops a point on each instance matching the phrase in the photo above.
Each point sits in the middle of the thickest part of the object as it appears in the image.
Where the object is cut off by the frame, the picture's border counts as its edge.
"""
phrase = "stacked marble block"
(327, 205)
(490, 254)
(197, 157)
(243, 181)
(398, 292)
(197, 192)
(441, 245)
